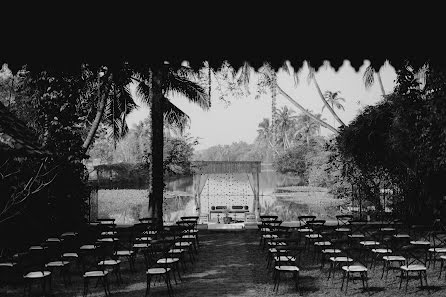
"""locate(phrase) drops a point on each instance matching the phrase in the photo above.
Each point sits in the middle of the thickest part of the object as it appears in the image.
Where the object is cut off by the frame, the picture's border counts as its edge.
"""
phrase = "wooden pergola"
(202, 169)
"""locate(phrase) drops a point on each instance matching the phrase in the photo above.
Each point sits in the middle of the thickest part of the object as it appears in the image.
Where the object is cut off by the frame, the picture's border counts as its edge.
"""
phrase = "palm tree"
(266, 80)
(284, 122)
(369, 78)
(333, 99)
(307, 127)
(273, 106)
(154, 84)
(312, 77)
(265, 133)
(114, 101)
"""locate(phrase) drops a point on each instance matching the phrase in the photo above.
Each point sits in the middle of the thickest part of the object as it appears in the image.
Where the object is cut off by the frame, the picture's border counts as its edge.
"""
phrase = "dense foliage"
(51, 105)
(401, 144)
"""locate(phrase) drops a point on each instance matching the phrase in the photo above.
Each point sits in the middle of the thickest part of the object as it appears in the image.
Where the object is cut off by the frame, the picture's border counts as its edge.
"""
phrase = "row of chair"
(99, 249)
(353, 247)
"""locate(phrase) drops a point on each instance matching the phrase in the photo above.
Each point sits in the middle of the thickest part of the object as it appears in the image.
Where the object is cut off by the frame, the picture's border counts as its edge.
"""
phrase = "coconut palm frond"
(328, 94)
(119, 104)
(191, 90)
(296, 78)
(339, 106)
(144, 91)
(186, 72)
(244, 76)
(286, 68)
(310, 74)
(369, 77)
(126, 105)
(175, 116)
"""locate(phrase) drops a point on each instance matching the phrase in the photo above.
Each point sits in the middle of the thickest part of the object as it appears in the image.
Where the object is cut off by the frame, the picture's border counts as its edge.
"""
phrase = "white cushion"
(167, 260)
(88, 247)
(141, 245)
(305, 230)
(108, 239)
(342, 229)
(53, 240)
(394, 258)
(109, 262)
(369, 242)
(341, 259)
(387, 229)
(270, 236)
(287, 268)
(401, 235)
(381, 251)
(322, 243)
(124, 253)
(7, 264)
(331, 251)
(354, 268)
(37, 274)
(438, 250)
(176, 251)
(420, 242)
(108, 233)
(57, 263)
(68, 234)
(157, 270)
(70, 255)
(98, 273)
(356, 235)
(414, 267)
(313, 236)
(35, 247)
(182, 243)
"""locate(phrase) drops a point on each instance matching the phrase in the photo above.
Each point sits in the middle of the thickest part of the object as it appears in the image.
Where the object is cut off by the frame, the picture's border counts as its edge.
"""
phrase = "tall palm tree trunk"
(157, 145)
(102, 96)
(326, 103)
(273, 107)
(324, 124)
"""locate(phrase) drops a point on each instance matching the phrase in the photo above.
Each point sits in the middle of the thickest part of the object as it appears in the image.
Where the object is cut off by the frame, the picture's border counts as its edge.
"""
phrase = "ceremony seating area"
(309, 258)
(97, 253)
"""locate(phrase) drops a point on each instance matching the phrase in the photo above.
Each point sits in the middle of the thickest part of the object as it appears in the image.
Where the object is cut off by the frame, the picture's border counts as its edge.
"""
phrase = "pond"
(280, 194)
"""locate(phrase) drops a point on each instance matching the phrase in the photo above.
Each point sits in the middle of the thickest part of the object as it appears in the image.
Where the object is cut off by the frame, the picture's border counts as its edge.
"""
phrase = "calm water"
(235, 189)
(126, 206)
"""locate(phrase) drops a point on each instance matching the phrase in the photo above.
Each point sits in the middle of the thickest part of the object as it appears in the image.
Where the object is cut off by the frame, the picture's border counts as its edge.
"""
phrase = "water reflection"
(268, 182)
(181, 202)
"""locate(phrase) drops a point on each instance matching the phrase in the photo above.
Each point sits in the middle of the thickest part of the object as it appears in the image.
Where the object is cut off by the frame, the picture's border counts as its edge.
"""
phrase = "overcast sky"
(224, 124)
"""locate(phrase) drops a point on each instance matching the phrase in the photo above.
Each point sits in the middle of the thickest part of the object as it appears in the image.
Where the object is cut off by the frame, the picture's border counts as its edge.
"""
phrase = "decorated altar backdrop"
(228, 184)
(228, 189)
